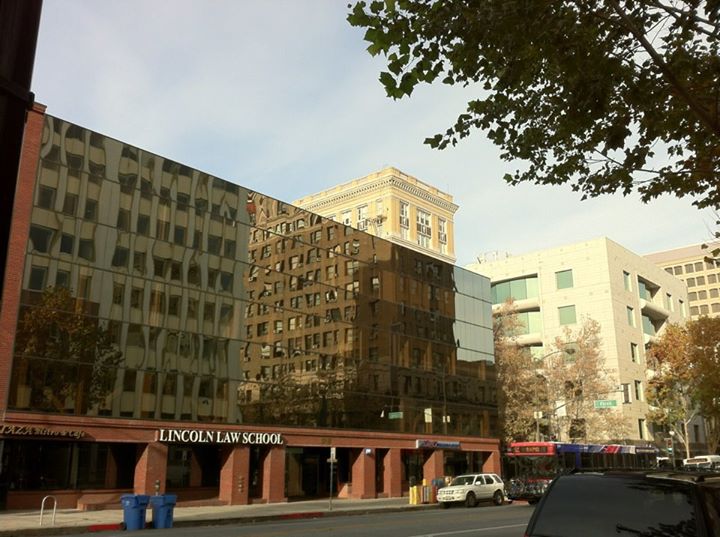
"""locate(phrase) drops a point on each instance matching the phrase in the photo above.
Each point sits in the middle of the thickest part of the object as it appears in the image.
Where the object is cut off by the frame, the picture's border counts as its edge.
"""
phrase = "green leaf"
(571, 84)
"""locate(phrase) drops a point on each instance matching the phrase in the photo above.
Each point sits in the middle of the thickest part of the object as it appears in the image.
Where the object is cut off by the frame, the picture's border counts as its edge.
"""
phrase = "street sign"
(605, 403)
(395, 415)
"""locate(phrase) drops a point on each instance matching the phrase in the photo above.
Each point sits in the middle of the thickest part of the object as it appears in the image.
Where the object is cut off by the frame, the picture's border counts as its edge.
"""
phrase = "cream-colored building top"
(394, 206)
(695, 266)
(629, 296)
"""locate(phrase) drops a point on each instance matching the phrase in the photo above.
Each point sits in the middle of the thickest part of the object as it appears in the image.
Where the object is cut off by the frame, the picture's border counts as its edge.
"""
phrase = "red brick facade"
(17, 246)
(274, 476)
(151, 468)
(234, 476)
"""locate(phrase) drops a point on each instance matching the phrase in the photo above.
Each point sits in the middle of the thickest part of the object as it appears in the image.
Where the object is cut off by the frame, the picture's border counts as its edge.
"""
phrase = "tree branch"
(682, 91)
(677, 13)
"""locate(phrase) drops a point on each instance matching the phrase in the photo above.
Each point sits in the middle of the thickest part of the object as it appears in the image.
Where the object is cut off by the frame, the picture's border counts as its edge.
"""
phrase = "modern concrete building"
(629, 296)
(696, 266)
(161, 325)
(394, 206)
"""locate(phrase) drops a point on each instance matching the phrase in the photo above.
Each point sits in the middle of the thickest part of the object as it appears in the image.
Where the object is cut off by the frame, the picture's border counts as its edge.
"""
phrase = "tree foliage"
(576, 377)
(607, 96)
(670, 394)
(705, 345)
(519, 389)
(686, 380)
(64, 354)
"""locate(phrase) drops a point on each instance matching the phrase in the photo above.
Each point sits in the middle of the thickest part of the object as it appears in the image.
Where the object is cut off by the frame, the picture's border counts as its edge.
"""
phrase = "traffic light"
(669, 444)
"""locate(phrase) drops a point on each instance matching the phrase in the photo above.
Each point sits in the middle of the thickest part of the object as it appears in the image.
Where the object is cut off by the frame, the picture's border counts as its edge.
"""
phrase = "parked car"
(637, 502)
(702, 462)
(471, 489)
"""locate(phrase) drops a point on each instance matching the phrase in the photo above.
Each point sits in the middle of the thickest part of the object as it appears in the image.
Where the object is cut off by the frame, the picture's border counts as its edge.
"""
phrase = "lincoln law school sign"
(202, 436)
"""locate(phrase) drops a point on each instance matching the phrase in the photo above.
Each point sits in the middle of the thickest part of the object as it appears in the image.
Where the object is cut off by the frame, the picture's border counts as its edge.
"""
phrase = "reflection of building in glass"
(394, 206)
(164, 324)
(632, 299)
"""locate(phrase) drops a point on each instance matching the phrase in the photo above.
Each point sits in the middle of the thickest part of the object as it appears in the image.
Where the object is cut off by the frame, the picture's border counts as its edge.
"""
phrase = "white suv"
(471, 489)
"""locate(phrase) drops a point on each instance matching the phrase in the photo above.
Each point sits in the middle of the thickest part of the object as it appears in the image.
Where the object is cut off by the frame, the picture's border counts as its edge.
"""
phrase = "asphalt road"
(481, 521)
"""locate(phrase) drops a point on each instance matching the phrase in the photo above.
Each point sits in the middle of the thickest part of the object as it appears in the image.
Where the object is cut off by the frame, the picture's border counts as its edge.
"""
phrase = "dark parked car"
(650, 503)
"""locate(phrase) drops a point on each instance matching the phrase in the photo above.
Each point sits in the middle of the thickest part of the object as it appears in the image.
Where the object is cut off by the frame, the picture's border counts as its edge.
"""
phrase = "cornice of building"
(331, 199)
(414, 246)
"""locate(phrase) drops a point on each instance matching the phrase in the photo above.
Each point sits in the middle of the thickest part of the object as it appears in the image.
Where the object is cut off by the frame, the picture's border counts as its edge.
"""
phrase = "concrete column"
(434, 466)
(393, 473)
(234, 476)
(150, 467)
(491, 465)
(274, 475)
(363, 476)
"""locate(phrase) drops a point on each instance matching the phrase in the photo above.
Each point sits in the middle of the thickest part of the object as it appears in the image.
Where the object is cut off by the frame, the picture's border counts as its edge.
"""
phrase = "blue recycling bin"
(162, 509)
(134, 506)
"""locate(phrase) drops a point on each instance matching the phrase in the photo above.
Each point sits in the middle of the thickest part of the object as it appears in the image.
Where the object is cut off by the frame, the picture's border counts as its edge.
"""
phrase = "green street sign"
(605, 403)
(395, 415)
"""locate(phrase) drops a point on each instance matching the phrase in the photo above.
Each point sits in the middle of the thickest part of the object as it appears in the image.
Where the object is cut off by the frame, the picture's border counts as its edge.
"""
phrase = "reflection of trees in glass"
(302, 399)
(65, 357)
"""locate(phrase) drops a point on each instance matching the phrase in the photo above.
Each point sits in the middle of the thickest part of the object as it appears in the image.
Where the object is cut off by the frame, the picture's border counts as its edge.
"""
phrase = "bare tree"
(577, 377)
(519, 393)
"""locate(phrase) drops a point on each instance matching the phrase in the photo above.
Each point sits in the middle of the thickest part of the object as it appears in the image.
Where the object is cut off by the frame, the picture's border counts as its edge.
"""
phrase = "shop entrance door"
(380, 471)
(311, 475)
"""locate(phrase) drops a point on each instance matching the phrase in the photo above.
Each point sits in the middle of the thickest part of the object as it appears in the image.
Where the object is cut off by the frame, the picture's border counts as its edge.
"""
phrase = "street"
(484, 520)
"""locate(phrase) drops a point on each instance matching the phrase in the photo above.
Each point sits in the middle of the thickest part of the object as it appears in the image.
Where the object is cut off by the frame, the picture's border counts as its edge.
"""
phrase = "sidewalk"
(73, 521)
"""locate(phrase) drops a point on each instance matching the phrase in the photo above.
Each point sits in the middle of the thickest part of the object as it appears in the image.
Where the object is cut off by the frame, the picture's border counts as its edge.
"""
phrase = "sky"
(281, 96)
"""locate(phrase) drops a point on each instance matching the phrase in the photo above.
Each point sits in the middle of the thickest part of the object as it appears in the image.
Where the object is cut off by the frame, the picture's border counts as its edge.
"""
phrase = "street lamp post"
(538, 414)
(672, 448)
(566, 349)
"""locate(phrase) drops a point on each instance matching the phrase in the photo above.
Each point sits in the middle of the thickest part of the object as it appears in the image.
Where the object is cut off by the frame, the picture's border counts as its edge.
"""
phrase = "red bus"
(530, 466)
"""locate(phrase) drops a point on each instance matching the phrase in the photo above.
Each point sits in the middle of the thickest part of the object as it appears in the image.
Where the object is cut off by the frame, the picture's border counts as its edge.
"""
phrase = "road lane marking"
(459, 532)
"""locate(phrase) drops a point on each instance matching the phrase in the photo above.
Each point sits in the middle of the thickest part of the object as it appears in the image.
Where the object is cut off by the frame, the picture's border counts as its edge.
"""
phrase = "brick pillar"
(393, 473)
(17, 245)
(363, 476)
(151, 466)
(274, 475)
(434, 466)
(234, 475)
(491, 465)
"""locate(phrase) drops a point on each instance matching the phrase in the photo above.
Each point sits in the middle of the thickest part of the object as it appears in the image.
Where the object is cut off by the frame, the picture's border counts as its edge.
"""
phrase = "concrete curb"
(209, 521)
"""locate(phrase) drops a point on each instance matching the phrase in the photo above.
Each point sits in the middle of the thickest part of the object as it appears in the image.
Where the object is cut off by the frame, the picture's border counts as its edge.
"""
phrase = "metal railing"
(42, 508)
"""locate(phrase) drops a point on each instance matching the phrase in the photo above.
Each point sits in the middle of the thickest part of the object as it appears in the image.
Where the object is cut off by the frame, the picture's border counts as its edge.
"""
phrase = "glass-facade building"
(155, 297)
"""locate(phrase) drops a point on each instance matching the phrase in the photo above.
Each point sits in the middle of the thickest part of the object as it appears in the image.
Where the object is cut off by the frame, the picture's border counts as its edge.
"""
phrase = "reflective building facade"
(156, 313)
